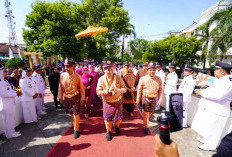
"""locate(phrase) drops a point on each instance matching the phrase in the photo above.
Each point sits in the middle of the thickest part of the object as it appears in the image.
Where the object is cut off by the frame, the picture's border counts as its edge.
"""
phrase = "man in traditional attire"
(129, 96)
(54, 80)
(7, 103)
(111, 87)
(141, 73)
(28, 99)
(40, 86)
(124, 71)
(72, 92)
(89, 83)
(170, 83)
(186, 87)
(148, 88)
(214, 106)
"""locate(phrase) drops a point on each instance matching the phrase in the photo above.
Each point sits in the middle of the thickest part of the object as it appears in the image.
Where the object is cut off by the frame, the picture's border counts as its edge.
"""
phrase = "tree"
(221, 34)
(179, 49)
(53, 27)
(15, 63)
(205, 39)
(138, 47)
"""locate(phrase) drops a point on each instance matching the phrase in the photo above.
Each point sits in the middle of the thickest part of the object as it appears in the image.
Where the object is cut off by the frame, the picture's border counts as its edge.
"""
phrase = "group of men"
(29, 92)
(120, 89)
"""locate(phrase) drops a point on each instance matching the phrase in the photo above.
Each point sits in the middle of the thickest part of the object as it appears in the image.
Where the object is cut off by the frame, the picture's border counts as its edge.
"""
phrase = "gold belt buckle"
(71, 95)
(149, 95)
(115, 100)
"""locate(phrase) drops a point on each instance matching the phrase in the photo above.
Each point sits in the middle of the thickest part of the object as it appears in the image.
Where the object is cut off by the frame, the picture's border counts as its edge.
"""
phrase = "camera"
(164, 128)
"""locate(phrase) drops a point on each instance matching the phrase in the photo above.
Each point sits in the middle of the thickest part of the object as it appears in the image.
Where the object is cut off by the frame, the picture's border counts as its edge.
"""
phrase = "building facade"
(193, 29)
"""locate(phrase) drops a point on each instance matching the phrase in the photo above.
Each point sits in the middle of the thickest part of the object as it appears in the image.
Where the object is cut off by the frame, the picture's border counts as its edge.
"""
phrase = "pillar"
(30, 62)
(37, 59)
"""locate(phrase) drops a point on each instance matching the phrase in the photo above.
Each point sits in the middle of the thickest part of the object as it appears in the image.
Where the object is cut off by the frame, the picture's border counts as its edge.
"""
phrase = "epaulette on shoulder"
(230, 78)
(23, 78)
(0, 80)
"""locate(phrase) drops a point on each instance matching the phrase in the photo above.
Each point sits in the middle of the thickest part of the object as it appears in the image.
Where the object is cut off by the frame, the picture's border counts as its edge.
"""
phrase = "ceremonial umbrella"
(91, 31)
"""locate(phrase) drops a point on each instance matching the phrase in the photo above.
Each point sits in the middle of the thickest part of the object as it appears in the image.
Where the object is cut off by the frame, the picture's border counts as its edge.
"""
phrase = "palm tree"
(221, 34)
(130, 30)
(205, 39)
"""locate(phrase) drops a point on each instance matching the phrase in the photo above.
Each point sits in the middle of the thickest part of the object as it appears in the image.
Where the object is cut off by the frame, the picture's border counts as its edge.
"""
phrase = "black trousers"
(55, 94)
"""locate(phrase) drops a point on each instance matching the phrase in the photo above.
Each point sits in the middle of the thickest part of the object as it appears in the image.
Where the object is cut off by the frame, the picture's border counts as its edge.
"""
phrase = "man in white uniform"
(171, 83)
(40, 86)
(215, 104)
(186, 87)
(28, 87)
(159, 72)
(7, 103)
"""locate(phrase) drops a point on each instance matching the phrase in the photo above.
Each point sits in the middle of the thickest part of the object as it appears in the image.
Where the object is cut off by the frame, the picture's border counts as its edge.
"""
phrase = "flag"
(10, 53)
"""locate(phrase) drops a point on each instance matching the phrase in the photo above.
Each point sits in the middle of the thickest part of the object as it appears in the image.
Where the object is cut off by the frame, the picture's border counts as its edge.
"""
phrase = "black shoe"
(146, 131)
(108, 136)
(117, 130)
(76, 134)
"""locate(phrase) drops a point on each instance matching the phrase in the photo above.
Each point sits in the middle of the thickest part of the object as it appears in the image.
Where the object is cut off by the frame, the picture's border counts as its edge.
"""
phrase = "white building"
(205, 16)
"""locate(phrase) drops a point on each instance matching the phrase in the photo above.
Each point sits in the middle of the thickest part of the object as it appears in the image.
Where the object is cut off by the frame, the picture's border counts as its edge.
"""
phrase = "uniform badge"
(108, 62)
(230, 79)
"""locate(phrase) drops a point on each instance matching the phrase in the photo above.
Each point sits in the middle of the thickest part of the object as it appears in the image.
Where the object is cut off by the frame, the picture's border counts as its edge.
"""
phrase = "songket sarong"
(148, 104)
(73, 105)
(112, 111)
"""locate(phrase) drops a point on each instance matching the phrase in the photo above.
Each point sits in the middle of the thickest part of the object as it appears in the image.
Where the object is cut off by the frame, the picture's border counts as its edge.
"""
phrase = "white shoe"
(14, 135)
(200, 139)
(206, 147)
(43, 112)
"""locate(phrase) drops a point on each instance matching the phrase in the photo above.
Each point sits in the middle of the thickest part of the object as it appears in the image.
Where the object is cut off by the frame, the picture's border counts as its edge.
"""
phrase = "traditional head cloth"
(79, 71)
(68, 62)
(220, 65)
(151, 65)
(189, 68)
(91, 66)
(108, 64)
(171, 65)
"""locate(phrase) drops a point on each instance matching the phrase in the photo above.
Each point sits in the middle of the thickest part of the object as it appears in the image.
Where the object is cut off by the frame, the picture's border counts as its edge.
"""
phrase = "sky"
(152, 18)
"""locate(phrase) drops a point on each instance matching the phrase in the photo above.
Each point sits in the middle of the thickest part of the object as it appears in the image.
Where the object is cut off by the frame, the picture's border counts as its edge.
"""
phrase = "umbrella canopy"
(91, 31)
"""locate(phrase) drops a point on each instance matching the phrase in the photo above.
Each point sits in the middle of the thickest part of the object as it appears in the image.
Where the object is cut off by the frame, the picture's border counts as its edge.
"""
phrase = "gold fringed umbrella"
(91, 31)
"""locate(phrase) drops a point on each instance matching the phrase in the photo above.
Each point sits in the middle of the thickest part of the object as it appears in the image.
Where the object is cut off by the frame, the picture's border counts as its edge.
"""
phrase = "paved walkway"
(38, 138)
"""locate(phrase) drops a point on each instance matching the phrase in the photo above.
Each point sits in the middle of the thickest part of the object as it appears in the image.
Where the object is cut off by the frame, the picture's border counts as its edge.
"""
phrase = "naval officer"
(28, 99)
(40, 87)
(171, 83)
(7, 102)
(215, 106)
(186, 87)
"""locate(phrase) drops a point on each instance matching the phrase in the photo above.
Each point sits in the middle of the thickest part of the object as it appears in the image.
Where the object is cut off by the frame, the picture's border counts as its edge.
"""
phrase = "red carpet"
(92, 143)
